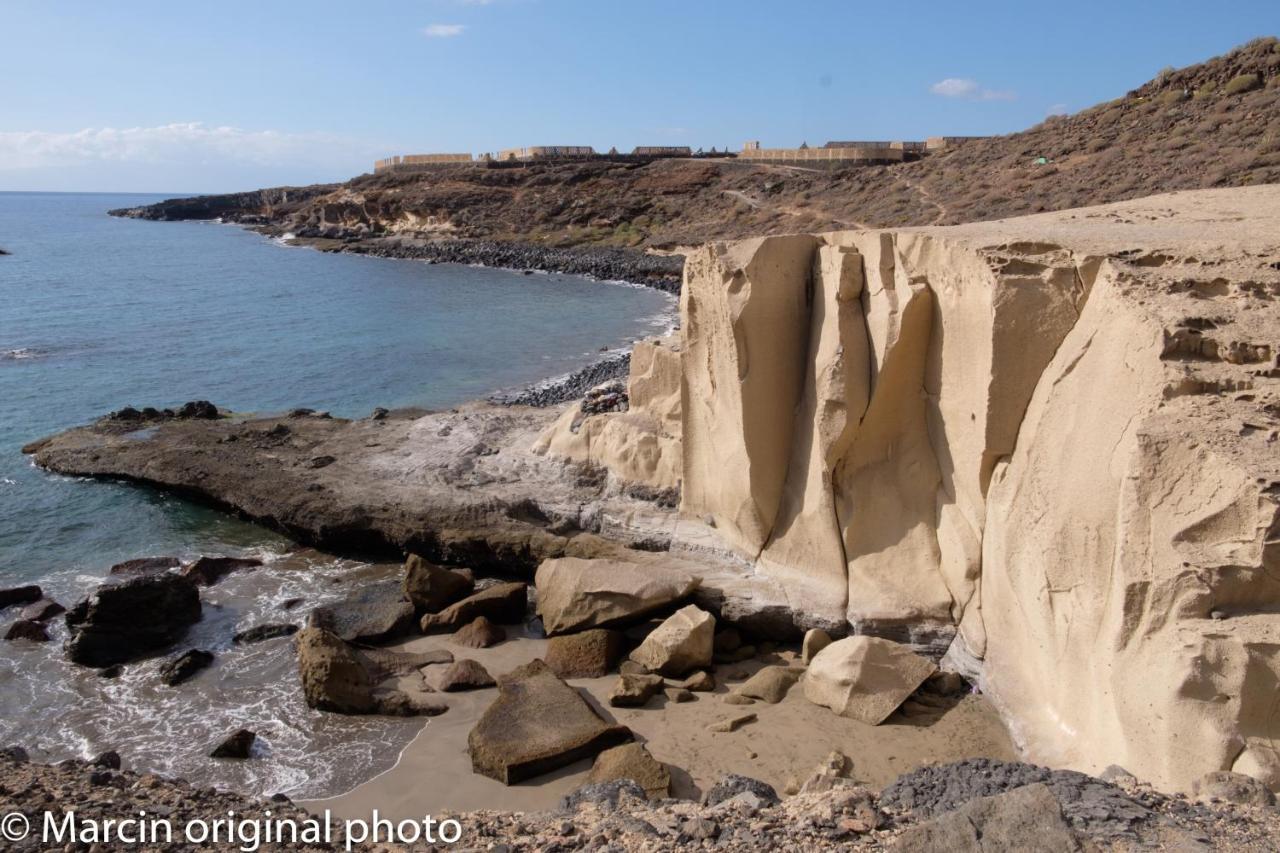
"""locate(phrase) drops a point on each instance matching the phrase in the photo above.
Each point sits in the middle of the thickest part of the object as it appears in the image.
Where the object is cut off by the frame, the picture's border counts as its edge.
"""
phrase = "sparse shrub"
(1242, 83)
(1174, 96)
(1205, 91)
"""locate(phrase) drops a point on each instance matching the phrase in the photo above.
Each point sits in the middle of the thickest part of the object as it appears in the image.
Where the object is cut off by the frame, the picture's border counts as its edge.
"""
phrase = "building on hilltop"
(661, 151)
(861, 154)
(939, 143)
(546, 152)
(414, 162)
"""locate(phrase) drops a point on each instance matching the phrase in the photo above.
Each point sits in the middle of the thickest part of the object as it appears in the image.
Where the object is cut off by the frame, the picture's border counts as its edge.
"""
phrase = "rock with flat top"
(432, 588)
(502, 604)
(376, 613)
(575, 594)
(146, 566)
(42, 610)
(865, 678)
(632, 761)
(682, 643)
(589, 654)
(536, 725)
(20, 595)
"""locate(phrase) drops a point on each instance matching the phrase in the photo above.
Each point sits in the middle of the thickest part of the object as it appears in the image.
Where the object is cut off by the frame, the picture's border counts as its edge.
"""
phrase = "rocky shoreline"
(574, 386)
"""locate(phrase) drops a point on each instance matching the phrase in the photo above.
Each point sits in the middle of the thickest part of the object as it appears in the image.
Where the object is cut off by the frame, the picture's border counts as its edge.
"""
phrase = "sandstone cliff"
(1047, 445)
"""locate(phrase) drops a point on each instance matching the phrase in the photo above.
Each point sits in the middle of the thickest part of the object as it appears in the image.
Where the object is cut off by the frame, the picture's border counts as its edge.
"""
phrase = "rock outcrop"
(864, 678)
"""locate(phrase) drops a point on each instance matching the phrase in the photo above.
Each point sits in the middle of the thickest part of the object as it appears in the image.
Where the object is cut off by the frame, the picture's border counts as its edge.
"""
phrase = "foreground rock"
(238, 745)
(680, 644)
(479, 633)
(146, 566)
(537, 724)
(464, 674)
(575, 594)
(340, 678)
(27, 629)
(632, 761)
(125, 621)
(376, 613)
(270, 631)
(20, 595)
(185, 666)
(1028, 818)
(42, 610)
(771, 684)
(864, 678)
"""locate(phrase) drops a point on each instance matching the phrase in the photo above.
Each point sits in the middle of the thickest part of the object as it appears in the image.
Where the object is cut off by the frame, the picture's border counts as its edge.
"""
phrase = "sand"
(786, 742)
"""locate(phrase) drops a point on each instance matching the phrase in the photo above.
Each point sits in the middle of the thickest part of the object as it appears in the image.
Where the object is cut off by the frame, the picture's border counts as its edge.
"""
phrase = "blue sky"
(227, 95)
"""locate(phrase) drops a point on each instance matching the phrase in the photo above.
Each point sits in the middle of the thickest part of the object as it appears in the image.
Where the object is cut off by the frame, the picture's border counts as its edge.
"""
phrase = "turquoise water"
(101, 312)
(97, 313)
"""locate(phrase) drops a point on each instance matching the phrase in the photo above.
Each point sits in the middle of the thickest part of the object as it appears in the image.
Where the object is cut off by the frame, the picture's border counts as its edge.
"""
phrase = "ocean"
(97, 313)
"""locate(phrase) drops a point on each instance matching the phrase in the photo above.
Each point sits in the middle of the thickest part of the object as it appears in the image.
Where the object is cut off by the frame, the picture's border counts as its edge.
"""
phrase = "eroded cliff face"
(1046, 445)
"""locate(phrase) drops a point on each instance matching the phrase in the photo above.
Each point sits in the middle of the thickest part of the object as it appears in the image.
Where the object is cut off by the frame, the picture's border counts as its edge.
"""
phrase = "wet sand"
(785, 743)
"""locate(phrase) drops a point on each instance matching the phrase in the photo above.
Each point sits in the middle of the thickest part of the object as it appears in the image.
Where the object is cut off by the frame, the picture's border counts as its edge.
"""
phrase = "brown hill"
(1210, 125)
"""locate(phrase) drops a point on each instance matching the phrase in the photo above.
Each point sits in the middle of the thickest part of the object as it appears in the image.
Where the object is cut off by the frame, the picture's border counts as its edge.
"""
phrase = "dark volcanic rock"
(109, 760)
(604, 794)
(732, 785)
(42, 610)
(562, 389)
(181, 668)
(20, 595)
(237, 745)
(27, 629)
(259, 633)
(1089, 804)
(377, 613)
(146, 566)
(1027, 819)
(207, 571)
(202, 409)
(121, 622)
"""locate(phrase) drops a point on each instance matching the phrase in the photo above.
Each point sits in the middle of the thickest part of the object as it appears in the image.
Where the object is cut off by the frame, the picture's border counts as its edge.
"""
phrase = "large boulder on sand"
(432, 588)
(865, 678)
(590, 654)
(575, 593)
(770, 684)
(503, 603)
(680, 644)
(338, 677)
(632, 761)
(537, 724)
(121, 622)
(377, 613)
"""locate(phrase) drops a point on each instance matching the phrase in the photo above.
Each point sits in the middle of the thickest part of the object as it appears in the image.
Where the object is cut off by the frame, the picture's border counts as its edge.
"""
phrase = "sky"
(141, 96)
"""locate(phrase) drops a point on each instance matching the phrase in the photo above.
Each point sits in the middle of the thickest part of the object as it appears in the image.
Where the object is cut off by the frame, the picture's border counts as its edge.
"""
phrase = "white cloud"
(969, 90)
(443, 31)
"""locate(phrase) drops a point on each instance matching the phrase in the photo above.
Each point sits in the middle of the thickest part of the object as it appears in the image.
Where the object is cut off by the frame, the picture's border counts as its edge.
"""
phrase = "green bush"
(1242, 83)
(1173, 96)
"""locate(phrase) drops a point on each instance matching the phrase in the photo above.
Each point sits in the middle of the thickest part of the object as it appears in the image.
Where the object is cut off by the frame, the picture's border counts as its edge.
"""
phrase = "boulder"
(537, 724)
(737, 699)
(20, 595)
(183, 667)
(109, 760)
(575, 593)
(464, 674)
(121, 622)
(681, 643)
(634, 691)
(27, 629)
(815, 640)
(632, 761)
(1225, 786)
(207, 571)
(770, 684)
(377, 613)
(270, 631)
(732, 785)
(590, 654)
(237, 745)
(338, 677)
(146, 566)
(42, 610)
(679, 695)
(830, 774)
(864, 678)
(479, 633)
(432, 588)
(1027, 819)
(699, 682)
(503, 603)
